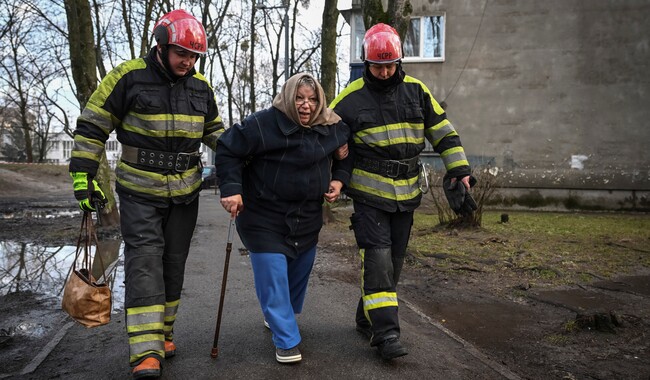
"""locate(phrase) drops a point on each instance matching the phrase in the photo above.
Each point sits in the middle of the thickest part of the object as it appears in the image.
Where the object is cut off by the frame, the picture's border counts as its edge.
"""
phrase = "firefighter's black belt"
(179, 162)
(387, 168)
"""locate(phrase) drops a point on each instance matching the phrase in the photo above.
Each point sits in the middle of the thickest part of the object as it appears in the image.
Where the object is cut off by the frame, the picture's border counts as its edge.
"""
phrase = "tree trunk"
(84, 72)
(252, 93)
(328, 46)
(82, 49)
(397, 15)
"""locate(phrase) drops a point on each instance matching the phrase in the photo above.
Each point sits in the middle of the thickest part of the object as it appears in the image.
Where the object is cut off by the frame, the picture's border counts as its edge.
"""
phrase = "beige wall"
(548, 84)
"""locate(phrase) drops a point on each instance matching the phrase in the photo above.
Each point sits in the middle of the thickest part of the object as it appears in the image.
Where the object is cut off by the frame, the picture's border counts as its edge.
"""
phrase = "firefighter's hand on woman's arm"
(233, 204)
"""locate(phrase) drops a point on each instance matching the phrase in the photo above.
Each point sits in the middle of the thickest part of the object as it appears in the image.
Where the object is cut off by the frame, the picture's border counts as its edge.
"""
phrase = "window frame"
(420, 58)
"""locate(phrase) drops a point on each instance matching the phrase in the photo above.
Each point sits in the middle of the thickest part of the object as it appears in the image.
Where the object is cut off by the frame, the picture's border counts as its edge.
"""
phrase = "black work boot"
(391, 348)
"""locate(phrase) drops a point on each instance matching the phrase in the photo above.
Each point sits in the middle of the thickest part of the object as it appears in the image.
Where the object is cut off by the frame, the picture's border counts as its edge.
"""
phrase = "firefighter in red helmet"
(158, 177)
(391, 114)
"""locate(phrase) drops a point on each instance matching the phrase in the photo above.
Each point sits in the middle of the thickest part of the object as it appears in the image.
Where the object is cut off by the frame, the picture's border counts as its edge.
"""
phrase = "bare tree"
(27, 73)
(230, 48)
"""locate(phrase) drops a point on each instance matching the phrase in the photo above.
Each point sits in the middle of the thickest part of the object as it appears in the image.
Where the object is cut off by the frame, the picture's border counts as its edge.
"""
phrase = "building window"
(424, 42)
(425, 39)
(359, 32)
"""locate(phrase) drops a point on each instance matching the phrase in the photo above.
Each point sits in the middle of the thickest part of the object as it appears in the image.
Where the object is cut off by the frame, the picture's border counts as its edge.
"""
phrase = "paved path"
(331, 348)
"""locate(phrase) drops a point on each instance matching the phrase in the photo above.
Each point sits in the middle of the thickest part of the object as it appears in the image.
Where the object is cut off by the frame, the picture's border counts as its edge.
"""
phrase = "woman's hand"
(233, 204)
(341, 152)
(334, 191)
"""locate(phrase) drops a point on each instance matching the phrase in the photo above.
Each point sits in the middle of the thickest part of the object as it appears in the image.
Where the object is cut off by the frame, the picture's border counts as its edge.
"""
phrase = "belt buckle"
(392, 171)
(181, 166)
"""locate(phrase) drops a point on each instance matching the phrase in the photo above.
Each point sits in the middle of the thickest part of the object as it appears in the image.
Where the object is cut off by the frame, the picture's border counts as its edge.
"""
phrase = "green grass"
(546, 247)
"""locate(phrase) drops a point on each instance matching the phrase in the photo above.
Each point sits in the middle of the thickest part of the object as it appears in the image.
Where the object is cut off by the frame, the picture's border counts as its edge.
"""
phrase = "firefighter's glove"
(89, 194)
(460, 200)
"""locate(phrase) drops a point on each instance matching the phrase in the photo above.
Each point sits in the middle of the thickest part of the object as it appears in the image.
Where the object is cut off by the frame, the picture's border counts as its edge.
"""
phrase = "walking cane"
(215, 349)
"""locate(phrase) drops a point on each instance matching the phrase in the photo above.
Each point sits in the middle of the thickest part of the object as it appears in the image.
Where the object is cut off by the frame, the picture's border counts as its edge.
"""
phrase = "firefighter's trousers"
(382, 238)
(157, 241)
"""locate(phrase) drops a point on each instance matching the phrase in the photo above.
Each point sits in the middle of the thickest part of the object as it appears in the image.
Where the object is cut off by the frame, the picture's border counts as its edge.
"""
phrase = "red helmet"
(381, 44)
(181, 29)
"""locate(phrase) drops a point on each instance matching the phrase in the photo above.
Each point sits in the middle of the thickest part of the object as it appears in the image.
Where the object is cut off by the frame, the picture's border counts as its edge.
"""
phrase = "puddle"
(42, 270)
(581, 300)
(39, 214)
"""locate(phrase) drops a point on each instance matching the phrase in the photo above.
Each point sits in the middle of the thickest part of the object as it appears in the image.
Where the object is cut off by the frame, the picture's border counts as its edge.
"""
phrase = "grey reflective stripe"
(163, 123)
(160, 185)
(440, 133)
(454, 157)
(157, 181)
(379, 300)
(179, 182)
(92, 117)
(87, 146)
(144, 318)
(137, 349)
(171, 311)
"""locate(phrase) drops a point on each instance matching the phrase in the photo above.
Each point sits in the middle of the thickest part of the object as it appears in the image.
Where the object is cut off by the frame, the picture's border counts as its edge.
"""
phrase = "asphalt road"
(331, 348)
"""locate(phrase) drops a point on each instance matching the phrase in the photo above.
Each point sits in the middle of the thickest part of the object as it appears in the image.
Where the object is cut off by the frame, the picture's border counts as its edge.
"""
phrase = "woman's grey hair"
(307, 81)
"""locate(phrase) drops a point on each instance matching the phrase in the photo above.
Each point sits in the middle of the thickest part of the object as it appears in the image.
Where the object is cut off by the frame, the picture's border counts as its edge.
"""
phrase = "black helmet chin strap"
(164, 57)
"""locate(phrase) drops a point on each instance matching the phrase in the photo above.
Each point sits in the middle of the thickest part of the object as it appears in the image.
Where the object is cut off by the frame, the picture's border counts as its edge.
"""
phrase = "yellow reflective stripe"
(454, 157)
(146, 338)
(169, 304)
(145, 309)
(161, 133)
(160, 192)
(173, 125)
(352, 87)
(109, 82)
(88, 155)
(217, 120)
(362, 253)
(379, 300)
(398, 133)
(144, 327)
(211, 139)
(434, 103)
(377, 185)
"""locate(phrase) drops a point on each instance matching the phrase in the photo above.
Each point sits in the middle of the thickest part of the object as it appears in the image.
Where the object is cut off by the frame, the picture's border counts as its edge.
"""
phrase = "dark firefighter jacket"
(282, 171)
(391, 123)
(147, 109)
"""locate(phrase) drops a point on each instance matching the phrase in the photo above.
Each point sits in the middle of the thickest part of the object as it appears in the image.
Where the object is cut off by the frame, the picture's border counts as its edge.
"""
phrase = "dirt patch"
(540, 321)
(575, 322)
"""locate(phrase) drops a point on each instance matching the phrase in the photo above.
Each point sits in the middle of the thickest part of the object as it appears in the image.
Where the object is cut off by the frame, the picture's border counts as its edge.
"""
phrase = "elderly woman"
(275, 169)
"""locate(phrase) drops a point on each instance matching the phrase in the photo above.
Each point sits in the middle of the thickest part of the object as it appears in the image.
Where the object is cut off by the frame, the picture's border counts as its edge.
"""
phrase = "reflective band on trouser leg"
(379, 295)
(379, 300)
(381, 310)
(145, 325)
(171, 308)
